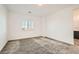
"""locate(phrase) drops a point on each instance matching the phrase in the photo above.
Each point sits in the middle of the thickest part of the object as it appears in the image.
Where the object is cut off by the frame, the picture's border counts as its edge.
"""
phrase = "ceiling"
(36, 10)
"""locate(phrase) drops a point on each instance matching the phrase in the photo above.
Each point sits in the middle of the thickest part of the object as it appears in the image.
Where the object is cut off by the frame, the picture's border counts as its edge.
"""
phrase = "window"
(27, 24)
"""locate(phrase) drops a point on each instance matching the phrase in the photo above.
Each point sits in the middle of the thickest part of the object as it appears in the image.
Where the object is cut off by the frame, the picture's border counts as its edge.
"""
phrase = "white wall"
(43, 26)
(15, 24)
(59, 26)
(3, 26)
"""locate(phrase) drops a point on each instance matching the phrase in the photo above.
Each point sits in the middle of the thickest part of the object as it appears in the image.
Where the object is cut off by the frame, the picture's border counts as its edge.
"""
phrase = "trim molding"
(59, 41)
(44, 37)
(27, 38)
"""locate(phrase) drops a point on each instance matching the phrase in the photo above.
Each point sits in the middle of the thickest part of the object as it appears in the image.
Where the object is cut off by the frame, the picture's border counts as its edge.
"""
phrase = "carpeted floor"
(40, 45)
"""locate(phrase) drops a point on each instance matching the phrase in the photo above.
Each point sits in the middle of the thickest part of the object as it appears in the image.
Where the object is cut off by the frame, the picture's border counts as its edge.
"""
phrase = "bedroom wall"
(59, 26)
(3, 26)
(43, 26)
(15, 26)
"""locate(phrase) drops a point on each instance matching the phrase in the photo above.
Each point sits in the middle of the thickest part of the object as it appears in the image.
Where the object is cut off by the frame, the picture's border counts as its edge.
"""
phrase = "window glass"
(27, 24)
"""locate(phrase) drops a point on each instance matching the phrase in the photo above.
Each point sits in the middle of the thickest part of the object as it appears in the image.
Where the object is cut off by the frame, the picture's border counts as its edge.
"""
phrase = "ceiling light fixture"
(40, 4)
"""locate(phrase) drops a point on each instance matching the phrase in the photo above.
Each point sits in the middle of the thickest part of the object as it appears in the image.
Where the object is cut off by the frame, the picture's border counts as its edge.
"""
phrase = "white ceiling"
(36, 10)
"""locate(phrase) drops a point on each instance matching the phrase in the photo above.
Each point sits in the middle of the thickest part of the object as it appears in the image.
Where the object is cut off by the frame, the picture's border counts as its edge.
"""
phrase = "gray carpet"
(39, 45)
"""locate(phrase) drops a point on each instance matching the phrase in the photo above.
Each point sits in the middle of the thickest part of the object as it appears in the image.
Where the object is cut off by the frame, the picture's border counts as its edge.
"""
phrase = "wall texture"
(3, 26)
(15, 26)
(59, 26)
